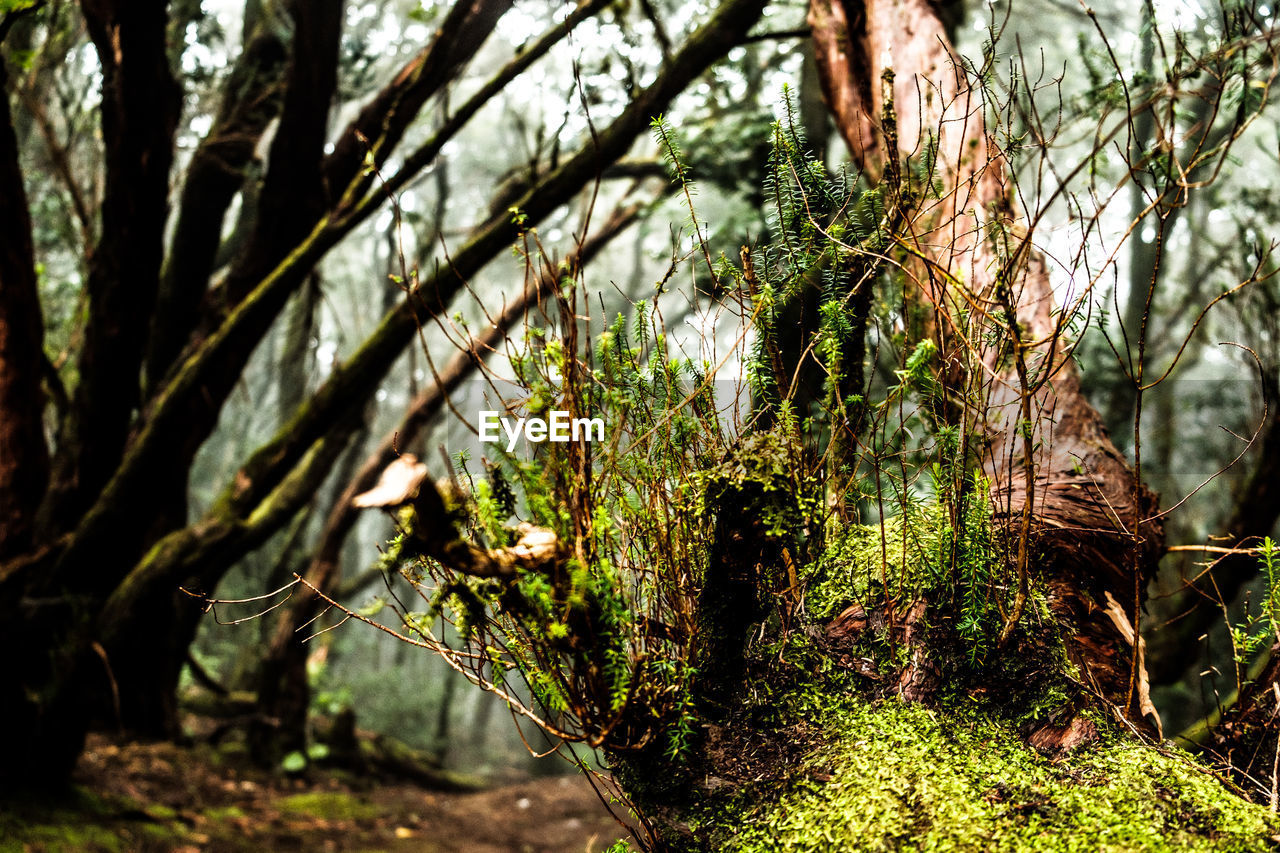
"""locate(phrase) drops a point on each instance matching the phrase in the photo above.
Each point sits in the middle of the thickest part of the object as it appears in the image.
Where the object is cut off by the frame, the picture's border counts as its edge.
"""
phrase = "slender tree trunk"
(24, 458)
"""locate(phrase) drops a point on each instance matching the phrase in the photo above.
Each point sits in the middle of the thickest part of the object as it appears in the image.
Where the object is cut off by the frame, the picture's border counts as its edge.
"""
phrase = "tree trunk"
(1066, 475)
(24, 459)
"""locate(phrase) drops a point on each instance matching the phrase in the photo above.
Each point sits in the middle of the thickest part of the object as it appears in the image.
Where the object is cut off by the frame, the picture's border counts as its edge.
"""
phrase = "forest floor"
(166, 797)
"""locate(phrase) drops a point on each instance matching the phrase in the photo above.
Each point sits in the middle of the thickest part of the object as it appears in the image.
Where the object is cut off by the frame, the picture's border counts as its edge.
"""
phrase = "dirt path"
(561, 814)
(162, 797)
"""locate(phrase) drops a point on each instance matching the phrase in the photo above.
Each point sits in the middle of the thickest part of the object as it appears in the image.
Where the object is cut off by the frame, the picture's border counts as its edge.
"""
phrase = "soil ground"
(164, 797)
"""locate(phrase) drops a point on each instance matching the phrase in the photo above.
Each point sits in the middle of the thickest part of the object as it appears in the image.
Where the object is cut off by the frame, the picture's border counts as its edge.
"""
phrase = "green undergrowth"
(329, 805)
(889, 775)
(944, 553)
(865, 770)
(84, 821)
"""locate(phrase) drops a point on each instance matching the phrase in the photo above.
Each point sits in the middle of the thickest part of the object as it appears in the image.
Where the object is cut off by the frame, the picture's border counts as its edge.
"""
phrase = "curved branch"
(209, 373)
(250, 101)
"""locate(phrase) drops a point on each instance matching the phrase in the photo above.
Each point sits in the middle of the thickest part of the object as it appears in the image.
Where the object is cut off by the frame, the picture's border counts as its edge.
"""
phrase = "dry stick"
(1028, 461)
(1275, 763)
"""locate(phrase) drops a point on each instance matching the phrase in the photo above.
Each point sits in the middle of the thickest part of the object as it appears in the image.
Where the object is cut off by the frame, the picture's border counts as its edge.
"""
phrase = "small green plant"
(1267, 556)
(1261, 628)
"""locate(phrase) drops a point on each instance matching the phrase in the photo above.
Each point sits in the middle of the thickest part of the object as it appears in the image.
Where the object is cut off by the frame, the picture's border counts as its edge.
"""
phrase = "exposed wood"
(100, 583)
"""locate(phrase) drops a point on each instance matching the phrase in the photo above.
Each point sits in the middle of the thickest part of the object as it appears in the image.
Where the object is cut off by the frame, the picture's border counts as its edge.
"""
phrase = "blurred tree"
(97, 444)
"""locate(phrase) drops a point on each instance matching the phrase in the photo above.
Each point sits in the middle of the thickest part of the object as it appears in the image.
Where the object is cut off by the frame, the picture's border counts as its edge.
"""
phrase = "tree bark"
(1063, 490)
(140, 108)
(24, 456)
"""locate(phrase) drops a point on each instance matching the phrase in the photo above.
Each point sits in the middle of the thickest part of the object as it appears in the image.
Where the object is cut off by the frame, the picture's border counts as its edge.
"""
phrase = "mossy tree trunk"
(1085, 523)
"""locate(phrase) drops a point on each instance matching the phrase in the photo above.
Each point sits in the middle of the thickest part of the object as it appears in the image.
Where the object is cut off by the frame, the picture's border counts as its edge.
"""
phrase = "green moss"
(331, 805)
(86, 822)
(224, 813)
(856, 564)
(916, 553)
(895, 776)
(159, 811)
(856, 768)
(762, 478)
(67, 837)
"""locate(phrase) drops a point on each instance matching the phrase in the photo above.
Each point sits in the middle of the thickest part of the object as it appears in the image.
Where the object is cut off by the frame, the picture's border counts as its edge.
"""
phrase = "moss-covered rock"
(329, 805)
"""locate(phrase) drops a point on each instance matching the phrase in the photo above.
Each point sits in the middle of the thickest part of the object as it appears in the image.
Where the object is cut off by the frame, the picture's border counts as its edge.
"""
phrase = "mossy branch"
(216, 360)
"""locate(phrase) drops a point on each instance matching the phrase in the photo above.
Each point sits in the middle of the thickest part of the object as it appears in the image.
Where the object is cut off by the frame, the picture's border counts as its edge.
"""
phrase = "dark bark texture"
(24, 457)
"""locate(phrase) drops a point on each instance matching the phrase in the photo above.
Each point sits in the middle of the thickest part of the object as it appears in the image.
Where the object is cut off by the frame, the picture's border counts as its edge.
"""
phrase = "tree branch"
(241, 527)
(294, 192)
(251, 99)
(209, 373)
(384, 120)
(426, 153)
(429, 403)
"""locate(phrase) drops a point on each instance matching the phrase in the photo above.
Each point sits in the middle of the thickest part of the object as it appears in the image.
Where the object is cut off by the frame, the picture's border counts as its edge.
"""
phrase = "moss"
(896, 776)
(853, 767)
(913, 554)
(761, 479)
(86, 822)
(159, 811)
(224, 813)
(60, 837)
(330, 805)
(857, 562)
